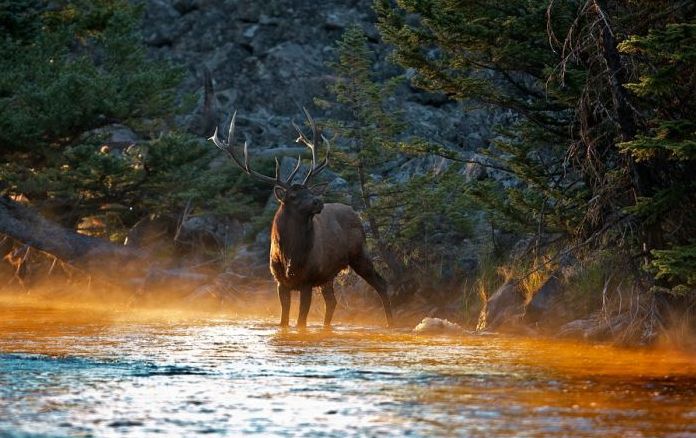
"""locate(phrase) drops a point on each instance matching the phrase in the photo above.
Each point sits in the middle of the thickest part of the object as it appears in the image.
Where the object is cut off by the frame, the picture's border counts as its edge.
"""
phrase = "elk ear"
(318, 189)
(279, 193)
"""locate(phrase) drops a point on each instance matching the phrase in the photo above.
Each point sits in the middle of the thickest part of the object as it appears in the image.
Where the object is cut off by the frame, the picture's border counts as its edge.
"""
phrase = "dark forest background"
(524, 164)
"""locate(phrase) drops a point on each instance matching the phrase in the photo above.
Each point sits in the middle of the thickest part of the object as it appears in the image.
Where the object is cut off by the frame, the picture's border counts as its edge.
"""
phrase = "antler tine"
(316, 135)
(302, 138)
(294, 171)
(228, 149)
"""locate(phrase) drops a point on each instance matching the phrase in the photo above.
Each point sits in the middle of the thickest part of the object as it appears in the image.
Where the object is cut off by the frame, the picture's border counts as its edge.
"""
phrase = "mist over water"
(128, 373)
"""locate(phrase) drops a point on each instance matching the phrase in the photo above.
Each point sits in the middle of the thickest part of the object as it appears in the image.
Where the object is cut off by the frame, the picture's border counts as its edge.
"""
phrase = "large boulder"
(540, 307)
(504, 307)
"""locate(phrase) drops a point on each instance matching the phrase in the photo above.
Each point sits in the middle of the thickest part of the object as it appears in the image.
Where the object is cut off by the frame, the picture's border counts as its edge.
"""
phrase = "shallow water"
(86, 373)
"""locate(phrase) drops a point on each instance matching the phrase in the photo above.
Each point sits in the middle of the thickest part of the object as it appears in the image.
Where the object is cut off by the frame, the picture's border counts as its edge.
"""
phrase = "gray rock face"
(267, 59)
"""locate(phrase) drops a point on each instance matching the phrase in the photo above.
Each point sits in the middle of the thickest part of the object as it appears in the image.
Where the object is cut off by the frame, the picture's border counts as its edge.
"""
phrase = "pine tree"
(411, 240)
(71, 68)
(603, 96)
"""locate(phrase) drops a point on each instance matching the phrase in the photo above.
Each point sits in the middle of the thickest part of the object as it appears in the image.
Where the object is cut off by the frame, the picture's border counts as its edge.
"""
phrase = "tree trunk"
(644, 180)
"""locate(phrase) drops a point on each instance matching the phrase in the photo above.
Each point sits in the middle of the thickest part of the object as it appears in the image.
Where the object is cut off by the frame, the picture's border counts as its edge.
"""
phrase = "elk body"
(311, 242)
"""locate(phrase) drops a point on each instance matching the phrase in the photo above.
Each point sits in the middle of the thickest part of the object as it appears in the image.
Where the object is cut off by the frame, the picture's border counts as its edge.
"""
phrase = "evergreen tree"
(73, 67)
(411, 240)
(602, 92)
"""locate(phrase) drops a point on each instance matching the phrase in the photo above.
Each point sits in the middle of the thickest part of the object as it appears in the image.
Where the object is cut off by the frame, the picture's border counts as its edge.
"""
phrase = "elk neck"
(294, 234)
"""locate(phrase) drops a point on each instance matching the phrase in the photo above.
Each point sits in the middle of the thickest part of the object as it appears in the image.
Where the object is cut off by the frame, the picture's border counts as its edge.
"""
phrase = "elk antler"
(316, 134)
(227, 148)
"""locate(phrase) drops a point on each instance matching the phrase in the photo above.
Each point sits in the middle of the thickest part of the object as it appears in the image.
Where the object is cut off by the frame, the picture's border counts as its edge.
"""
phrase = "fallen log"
(116, 264)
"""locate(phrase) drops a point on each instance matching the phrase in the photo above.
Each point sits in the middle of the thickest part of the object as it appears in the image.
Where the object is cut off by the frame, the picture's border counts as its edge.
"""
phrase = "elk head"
(302, 199)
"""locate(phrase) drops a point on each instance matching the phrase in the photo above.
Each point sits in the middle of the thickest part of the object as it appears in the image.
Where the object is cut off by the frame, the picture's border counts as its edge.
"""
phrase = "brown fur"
(310, 242)
(310, 250)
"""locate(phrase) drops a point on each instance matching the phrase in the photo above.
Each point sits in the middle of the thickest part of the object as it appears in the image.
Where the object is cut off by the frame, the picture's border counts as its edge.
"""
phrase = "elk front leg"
(305, 302)
(284, 296)
(327, 292)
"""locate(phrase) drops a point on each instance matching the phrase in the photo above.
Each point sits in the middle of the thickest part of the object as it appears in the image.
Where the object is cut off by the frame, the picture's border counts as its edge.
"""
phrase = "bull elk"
(311, 242)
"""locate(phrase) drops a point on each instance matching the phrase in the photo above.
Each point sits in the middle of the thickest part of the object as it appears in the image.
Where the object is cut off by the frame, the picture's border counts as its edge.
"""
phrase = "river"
(78, 372)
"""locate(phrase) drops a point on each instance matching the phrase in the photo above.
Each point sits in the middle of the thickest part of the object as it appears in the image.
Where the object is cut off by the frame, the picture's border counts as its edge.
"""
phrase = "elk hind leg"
(327, 291)
(363, 266)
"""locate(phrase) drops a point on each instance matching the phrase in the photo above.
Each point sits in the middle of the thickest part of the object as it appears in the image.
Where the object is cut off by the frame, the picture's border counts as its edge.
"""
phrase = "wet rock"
(599, 328)
(437, 326)
(579, 328)
(125, 423)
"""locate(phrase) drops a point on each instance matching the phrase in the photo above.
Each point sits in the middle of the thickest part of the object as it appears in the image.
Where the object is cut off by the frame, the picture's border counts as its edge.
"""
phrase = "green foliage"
(81, 67)
(497, 54)
(407, 236)
(678, 266)
(72, 69)
(666, 59)
(602, 133)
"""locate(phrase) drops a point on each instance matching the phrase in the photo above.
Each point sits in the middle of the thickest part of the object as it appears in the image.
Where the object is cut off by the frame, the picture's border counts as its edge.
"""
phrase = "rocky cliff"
(267, 59)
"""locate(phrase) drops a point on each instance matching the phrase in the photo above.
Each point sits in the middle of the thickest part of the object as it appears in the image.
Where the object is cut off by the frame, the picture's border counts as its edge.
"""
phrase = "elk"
(311, 242)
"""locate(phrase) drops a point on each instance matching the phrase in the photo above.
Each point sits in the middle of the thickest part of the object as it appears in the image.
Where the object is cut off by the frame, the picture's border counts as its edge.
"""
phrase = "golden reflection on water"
(119, 372)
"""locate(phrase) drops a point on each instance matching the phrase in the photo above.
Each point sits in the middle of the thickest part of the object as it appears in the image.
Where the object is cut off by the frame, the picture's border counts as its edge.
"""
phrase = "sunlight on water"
(106, 373)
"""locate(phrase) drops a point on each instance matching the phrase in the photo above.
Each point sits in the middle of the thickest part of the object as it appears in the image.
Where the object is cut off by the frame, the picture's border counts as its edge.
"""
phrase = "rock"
(437, 326)
(340, 19)
(268, 59)
(475, 172)
(183, 7)
(251, 260)
(339, 184)
(506, 305)
(168, 23)
(209, 230)
(599, 327)
(251, 31)
(540, 306)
